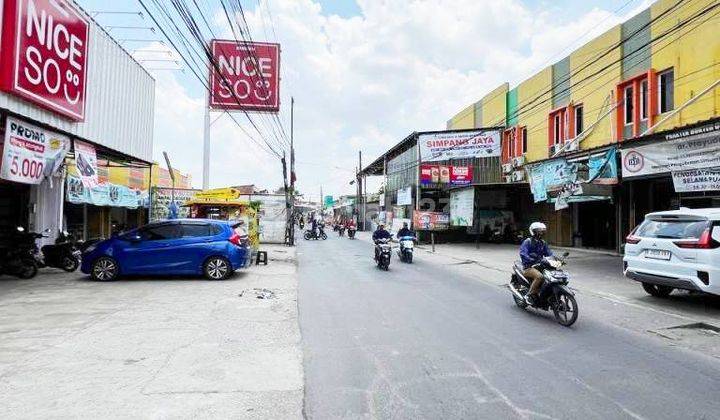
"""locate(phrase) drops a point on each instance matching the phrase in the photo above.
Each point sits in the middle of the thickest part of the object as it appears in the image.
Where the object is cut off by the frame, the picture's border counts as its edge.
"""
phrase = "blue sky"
(364, 74)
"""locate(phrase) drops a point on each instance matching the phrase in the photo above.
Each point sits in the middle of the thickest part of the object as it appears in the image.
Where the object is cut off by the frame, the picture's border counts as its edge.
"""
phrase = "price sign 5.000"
(28, 150)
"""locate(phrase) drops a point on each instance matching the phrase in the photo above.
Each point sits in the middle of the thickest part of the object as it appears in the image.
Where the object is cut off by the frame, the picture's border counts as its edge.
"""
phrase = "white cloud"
(366, 82)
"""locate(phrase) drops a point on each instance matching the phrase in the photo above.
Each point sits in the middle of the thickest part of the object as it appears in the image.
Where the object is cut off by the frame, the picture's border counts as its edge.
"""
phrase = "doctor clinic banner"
(31, 153)
(246, 76)
(44, 54)
(459, 145)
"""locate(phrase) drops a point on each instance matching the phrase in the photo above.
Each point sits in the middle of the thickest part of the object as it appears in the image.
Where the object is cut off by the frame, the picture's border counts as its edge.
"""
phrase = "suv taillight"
(631, 238)
(704, 242)
(238, 240)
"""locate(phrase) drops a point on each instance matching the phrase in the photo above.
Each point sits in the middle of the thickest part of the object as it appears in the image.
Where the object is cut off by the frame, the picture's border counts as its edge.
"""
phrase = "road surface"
(440, 339)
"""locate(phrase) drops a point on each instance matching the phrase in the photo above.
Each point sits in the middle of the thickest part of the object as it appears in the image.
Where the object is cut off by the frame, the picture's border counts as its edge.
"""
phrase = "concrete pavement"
(441, 338)
(152, 348)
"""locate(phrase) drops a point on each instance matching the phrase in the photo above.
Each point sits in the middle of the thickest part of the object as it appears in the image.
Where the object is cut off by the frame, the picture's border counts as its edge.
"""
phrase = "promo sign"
(86, 162)
(246, 76)
(445, 174)
(30, 153)
(44, 54)
(459, 145)
(430, 220)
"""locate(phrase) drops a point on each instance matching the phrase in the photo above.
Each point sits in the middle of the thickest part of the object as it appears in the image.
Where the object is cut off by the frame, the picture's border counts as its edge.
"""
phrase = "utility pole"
(287, 202)
(292, 171)
(206, 144)
(359, 193)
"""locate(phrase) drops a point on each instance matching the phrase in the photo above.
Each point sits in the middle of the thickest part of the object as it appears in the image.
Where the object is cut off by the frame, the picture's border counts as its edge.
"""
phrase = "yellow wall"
(533, 113)
(494, 106)
(463, 119)
(597, 93)
(695, 58)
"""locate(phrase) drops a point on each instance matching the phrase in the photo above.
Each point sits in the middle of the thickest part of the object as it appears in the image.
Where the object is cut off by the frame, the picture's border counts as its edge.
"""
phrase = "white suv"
(677, 249)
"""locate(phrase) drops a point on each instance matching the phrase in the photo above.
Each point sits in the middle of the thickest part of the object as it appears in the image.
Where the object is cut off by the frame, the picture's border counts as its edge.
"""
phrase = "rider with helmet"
(532, 252)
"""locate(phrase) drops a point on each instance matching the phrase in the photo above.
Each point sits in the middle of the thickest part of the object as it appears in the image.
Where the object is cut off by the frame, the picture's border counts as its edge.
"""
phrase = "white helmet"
(537, 226)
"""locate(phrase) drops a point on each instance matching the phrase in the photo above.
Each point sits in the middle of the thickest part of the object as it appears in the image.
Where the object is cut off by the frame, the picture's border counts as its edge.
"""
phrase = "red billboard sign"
(445, 174)
(245, 76)
(44, 54)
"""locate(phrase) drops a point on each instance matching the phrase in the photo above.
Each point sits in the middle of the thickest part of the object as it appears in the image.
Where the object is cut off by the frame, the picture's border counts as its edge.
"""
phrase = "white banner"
(698, 151)
(86, 162)
(459, 145)
(462, 205)
(31, 153)
(697, 180)
(404, 196)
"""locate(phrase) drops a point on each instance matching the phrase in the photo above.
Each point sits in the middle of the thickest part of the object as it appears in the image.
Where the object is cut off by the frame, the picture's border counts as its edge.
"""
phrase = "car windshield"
(672, 229)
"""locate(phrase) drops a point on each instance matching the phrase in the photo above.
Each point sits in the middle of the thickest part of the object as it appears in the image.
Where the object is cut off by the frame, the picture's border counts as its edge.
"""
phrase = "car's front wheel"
(104, 269)
(657, 290)
(217, 268)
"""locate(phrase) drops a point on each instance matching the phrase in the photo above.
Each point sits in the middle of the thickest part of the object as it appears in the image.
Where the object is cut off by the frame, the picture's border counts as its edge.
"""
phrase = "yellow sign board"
(218, 194)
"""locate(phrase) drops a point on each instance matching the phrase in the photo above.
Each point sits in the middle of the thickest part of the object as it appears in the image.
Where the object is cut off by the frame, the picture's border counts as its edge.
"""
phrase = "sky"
(364, 74)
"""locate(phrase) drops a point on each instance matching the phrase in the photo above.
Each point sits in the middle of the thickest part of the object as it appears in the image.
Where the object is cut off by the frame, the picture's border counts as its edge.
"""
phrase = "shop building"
(70, 113)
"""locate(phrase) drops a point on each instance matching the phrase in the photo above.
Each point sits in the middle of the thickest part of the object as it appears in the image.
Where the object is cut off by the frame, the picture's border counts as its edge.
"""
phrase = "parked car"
(677, 249)
(213, 248)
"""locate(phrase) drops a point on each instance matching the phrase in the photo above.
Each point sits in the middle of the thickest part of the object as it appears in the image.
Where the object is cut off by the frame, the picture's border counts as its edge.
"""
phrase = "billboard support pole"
(206, 144)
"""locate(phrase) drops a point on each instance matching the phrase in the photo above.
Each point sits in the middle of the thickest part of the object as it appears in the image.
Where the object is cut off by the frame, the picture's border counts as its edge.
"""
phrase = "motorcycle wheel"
(565, 310)
(29, 270)
(70, 264)
(323, 236)
(307, 236)
(408, 258)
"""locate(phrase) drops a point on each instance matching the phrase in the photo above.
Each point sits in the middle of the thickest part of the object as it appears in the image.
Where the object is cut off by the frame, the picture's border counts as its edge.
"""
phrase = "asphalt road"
(437, 340)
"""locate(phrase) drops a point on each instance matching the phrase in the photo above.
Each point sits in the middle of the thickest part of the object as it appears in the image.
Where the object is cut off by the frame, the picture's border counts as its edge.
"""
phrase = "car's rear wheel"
(104, 269)
(217, 268)
(657, 290)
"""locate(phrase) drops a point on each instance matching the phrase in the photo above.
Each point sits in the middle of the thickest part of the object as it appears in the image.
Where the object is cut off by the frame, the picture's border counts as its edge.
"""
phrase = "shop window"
(557, 129)
(579, 116)
(644, 100)
(628, 105)
(666, 91)
(524, 139)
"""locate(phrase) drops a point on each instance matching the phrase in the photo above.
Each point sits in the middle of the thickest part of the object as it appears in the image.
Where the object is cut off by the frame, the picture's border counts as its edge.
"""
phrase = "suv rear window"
(672, 229)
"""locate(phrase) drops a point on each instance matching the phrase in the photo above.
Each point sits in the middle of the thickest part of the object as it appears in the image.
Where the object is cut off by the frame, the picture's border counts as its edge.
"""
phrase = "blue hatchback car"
(212, 248)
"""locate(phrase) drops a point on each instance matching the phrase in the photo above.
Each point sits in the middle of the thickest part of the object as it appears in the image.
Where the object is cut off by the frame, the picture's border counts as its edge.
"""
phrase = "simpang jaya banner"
(31, 153)
(246, 76)
(459, 145)
(44, 54)
(86, 162)
(430, 220)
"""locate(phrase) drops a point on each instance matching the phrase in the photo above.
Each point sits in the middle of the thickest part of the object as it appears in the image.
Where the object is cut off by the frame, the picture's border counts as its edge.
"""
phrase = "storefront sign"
(445, 174)
(537, 185)
(404, 196)
(697, 180)
(698, 151)
(462, 206)
(246, 76)
(603, 168)
(430, 220)
(104, 194)
(44, 54)
(31, 153)
(459, 145)
(218, 194)
(86, 162)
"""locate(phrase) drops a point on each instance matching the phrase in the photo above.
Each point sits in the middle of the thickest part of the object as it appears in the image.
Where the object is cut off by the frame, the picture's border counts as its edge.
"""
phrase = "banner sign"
(459, 145)
(44, 54)
(603, 168)
(162, 200)
(446, 174)
(404, 196)
(430, 220)
(246, 76)
(697, 180)
(462, 206)
(86, 162)
(104, 194)
(698, 151)
(31, 153)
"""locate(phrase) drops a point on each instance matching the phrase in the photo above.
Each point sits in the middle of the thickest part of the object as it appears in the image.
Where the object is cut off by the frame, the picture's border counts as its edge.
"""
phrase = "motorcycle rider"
(314, 227)
(532, 251)
(380, 233)
(405, 231)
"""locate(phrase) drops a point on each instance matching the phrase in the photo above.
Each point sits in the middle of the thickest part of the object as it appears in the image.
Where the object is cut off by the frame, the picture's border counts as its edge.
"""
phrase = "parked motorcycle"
(19, 257)
(63, 254)
(554, 294)
(351, 233)
(383, 252)
(312, 234)
(405, 250)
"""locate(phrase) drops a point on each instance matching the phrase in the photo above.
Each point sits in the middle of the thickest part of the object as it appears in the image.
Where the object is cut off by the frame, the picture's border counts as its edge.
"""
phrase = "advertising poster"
(461, 175)
(86, 162)
(46, 54)
(161, 203)
(459, 145)
(445, 174)
(247, 76)
(697, 151)
(697, 180)
(462, 206)
(30, 153)
(430, 220)
(404, 196)
(104, 194)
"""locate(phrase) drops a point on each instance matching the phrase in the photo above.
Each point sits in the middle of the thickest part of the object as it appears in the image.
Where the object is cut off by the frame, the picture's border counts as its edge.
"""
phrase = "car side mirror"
(565, 254)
